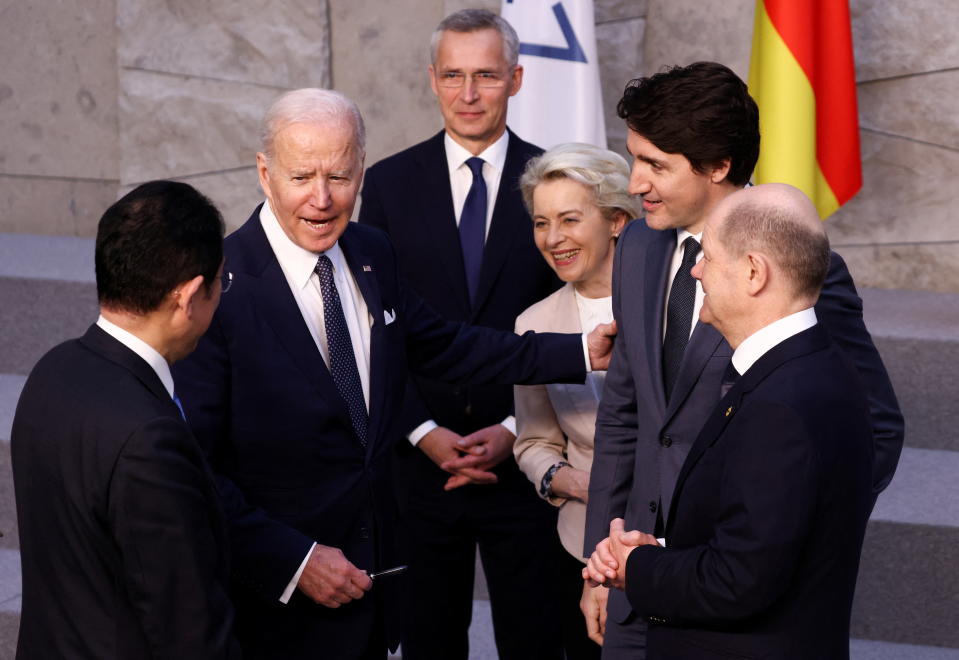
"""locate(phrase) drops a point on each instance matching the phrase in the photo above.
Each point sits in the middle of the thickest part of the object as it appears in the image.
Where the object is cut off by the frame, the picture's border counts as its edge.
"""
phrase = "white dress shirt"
(461, 180)
(149, 354)
(681, 236)
(592, 312)
(762, 341)
(297, 265)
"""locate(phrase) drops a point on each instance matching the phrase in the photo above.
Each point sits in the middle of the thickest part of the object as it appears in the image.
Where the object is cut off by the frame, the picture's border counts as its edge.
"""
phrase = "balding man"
(770, 507)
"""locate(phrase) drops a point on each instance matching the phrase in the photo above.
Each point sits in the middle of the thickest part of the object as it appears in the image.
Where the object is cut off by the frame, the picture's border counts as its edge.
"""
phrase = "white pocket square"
(389, 316)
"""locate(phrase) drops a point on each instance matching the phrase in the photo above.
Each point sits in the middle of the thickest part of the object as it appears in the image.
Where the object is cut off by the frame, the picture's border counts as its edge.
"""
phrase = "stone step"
(917, 334)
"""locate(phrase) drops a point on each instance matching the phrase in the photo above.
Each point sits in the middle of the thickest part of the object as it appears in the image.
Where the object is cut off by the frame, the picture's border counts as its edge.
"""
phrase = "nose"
(320, 197)
(469, 93)
(638, 180)
(697, 271)
(554, 235)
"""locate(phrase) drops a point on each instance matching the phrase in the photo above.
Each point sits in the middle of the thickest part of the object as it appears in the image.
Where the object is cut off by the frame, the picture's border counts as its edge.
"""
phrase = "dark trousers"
(516, 535)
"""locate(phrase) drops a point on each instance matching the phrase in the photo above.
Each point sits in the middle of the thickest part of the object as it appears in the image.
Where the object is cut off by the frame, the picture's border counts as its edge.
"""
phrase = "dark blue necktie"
(473, 227)
(179, 405)
(679, 315)
(346, 377)
(730, 376)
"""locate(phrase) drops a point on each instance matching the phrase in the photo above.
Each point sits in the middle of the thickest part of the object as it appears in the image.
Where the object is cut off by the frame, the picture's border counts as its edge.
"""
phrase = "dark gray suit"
(641, 442)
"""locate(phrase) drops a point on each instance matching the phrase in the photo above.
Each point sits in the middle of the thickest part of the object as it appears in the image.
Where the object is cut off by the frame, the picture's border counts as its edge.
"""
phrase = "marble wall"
(101, 95)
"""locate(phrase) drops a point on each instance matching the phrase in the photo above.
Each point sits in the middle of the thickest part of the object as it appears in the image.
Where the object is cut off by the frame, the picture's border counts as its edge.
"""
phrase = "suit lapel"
(702, 344)
(813, 339)
(100, 342)
(362, 268)
(439, 219)
(270, 292)
(657, 271)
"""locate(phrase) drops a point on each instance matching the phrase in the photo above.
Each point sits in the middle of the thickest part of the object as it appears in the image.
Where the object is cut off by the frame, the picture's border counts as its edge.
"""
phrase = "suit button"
(364, 533)
(652, 507)
(666, 440)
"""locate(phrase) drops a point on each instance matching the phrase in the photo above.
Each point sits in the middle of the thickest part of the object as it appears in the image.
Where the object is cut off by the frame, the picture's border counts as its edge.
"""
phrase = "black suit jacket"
(122, 540)
(408, 196)
(768, 516)
(264, 406)
(642, 442)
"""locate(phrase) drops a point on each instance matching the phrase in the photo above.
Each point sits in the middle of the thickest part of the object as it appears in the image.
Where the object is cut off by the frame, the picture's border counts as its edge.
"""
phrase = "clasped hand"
(607, 565)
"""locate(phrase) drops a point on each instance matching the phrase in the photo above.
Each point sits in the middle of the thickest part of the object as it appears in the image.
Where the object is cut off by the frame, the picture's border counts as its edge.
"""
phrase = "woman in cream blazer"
(576, 195)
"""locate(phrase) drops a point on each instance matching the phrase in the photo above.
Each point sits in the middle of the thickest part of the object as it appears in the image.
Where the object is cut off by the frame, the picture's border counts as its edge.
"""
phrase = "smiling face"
(675, 196)
(474, 116)
(574, 237)
(312, 180)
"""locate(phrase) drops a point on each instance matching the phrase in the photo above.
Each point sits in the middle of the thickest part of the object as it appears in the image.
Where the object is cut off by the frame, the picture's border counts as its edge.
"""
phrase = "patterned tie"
(473, 227)
(679, 315)
(342, 361)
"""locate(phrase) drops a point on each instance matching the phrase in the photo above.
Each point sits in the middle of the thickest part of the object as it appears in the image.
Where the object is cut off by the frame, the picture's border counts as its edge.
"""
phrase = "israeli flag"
(560, 100)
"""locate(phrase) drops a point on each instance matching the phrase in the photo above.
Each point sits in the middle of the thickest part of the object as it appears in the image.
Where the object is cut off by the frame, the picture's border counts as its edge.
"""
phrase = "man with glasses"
(464, 243)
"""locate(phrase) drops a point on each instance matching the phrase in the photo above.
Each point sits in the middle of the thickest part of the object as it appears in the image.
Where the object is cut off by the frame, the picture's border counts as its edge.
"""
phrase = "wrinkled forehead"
(329, 141)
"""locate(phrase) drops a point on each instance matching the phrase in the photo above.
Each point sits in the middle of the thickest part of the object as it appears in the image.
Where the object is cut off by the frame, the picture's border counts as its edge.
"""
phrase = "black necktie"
(342, 361)
(473, 227)
(679, 315)
(729, 379)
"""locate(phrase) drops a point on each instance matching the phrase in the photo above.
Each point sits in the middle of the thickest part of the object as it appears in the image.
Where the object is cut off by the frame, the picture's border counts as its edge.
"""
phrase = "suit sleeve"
(373, 213)
(266, 552)
(611, 475)
(766, 499)
(160, 514)
(839, 309)
(460, 353)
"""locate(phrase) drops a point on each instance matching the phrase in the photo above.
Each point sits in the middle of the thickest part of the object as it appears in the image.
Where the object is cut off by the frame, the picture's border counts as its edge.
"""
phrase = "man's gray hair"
(604, 172)
(471, 20)
(778, 230)
(311, 105)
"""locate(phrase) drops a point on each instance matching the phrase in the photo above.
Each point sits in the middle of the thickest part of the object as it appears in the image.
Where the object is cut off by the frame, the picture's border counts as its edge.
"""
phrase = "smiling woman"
(577, 197)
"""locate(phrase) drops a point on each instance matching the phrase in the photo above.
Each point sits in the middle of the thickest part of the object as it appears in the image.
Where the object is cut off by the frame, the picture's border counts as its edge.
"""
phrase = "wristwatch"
(545, 485)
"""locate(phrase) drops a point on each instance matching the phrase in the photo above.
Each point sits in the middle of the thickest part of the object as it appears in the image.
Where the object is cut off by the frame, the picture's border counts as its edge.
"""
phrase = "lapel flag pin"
(729, 410)
(367, 269)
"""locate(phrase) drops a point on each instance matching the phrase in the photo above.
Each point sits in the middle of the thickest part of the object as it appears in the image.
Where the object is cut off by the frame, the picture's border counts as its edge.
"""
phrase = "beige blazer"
(556, 422)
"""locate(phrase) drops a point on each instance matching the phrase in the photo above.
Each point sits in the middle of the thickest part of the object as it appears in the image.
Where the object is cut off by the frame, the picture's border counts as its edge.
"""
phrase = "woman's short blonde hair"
(604, 172)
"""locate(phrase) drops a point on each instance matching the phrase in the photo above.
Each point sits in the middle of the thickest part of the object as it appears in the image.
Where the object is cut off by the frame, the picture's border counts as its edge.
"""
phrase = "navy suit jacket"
(767, 518)
(291, 471)
(408, 196)
(122, 540)
(642, 442)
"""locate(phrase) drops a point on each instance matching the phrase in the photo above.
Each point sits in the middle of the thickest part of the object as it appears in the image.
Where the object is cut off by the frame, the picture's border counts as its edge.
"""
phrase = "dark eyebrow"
(651, 161)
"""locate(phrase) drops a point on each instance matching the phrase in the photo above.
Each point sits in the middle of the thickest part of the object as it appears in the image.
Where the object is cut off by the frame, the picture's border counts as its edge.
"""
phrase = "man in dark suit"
(666, 371)
(295, 392)
(122, 540)
(771, 504)
(464, 243)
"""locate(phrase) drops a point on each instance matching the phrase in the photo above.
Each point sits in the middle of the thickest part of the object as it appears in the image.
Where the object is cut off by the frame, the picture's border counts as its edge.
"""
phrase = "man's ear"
(185, 294)
(433, 80)
(516, 80)
(757, 273)
(263, 174)
(719, 173)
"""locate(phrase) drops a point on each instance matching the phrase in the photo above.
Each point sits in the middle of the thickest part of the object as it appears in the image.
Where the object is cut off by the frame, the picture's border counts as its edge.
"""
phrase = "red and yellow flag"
(802, 76)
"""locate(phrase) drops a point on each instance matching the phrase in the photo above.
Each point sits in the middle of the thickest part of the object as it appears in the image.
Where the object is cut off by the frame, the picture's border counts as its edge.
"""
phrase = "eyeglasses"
(226, 281)
(485, 79)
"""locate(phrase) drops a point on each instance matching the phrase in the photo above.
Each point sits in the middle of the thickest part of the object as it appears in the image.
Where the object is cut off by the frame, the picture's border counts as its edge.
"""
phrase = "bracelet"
(545, 486)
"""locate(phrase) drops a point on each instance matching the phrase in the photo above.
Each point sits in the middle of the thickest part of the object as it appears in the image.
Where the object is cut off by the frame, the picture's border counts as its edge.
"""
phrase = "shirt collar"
(760, 342)
(682, 235)
(149, 354)
(494, 155)
(298, 263)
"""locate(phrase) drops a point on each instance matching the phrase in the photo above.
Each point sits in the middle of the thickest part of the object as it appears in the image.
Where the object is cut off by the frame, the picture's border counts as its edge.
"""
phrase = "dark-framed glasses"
(457, 79)
(226, 281)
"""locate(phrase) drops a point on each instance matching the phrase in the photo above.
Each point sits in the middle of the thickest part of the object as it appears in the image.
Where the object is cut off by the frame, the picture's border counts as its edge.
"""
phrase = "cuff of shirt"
(589, 367)
(510, 424)
(417, 434)
(288, 592)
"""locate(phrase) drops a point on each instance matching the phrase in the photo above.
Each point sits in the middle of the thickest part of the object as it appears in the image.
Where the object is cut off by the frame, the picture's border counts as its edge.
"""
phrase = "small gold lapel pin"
(367, 269)
(729, 410)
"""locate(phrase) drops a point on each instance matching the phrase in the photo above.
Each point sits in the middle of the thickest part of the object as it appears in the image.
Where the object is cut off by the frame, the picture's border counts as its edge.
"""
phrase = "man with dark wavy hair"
(694, 139)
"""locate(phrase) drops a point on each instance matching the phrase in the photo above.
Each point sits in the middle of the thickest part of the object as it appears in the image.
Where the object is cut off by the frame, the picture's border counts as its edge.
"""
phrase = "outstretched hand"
(599, 344)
